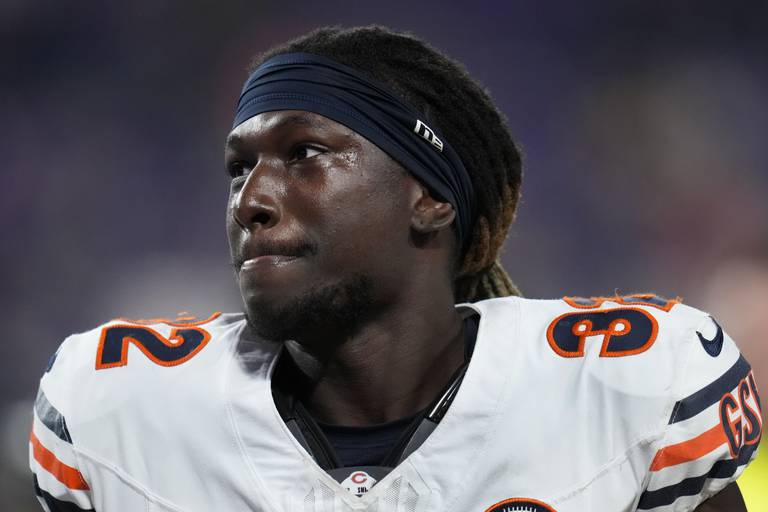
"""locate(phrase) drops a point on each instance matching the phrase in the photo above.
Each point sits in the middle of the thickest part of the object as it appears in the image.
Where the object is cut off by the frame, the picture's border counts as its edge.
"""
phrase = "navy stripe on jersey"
(691, 486)
(753, 387)
(692, 405)
(52, 360)
(51, 417)
(55, 505)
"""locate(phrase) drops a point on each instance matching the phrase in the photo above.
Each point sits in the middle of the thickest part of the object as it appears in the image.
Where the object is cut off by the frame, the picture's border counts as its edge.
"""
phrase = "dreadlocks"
(441, 89)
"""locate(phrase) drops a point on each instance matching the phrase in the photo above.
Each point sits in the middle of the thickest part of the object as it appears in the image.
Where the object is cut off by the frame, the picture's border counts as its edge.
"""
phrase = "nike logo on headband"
(426, 132)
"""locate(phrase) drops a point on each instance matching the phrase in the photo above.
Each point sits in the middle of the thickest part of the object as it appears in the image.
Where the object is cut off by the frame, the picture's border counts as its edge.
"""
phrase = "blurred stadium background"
(643, 124)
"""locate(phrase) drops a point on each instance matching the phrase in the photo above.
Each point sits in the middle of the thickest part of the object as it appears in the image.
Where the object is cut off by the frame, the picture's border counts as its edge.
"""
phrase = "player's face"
(318, 222)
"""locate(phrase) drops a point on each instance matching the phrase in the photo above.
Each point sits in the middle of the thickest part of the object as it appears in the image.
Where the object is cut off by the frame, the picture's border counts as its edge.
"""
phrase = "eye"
(305, 151)
(238, 168)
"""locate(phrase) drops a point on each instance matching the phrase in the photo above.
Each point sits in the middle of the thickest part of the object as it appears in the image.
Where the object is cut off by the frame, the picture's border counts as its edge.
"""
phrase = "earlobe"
(429, 214)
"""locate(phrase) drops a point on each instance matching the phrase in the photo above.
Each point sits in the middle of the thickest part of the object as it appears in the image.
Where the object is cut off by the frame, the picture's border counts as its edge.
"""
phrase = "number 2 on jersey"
(183, 343)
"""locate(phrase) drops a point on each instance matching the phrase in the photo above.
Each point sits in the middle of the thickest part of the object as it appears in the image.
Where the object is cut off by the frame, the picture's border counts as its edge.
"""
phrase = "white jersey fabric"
(609, 404)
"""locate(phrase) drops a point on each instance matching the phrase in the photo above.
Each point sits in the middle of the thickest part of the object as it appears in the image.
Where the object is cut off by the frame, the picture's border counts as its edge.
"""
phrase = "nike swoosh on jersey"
(715, 345)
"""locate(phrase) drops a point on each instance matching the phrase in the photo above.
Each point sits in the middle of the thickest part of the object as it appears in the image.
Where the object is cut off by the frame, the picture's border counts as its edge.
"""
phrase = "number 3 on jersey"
(183, 343)
(626, 331)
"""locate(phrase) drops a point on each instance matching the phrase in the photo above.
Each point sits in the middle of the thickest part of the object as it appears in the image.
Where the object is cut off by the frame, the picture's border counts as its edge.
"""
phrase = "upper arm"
(713, 431)
(58, 481)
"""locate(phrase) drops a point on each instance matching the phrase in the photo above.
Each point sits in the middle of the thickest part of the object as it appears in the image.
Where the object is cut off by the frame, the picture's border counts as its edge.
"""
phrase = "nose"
(256, 206)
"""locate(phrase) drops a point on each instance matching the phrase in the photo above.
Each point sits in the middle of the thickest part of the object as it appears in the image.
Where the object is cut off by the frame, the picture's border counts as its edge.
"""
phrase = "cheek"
(369, 227)
(232, 227)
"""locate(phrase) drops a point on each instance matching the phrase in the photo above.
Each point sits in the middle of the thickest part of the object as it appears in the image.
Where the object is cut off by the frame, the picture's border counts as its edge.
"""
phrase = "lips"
(273, 253)
(269, 260)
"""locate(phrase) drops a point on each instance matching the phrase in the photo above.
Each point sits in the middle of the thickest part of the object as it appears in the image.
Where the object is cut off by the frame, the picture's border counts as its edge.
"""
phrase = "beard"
(319, 319)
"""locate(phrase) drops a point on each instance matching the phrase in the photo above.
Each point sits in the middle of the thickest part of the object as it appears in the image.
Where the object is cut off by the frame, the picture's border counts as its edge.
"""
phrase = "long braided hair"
(441, 89)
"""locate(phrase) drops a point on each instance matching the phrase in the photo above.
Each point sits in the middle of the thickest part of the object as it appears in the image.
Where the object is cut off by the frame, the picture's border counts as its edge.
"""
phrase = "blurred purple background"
(643, 125)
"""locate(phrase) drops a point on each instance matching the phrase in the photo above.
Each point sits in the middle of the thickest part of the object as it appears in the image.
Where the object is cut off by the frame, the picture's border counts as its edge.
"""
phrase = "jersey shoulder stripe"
(64, 473)
(51, 504)
(51, 417)
(721, 470)
(692, 405)
(689, 450)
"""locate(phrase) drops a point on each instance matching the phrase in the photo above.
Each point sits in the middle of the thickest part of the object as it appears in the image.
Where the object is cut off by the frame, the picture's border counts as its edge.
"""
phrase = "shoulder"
(641, 332)
(122, 356)
(165, 342)
(653, 373)
(635, 348)
(110, 395)
(609, 327)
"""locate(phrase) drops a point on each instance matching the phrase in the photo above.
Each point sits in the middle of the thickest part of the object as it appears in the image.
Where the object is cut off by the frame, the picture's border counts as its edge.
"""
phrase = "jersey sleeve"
(59, 484)
(714, 428)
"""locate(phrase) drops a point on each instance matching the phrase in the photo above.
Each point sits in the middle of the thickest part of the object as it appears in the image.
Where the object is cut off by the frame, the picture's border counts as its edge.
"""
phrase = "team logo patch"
(358, 483)
(520, 505)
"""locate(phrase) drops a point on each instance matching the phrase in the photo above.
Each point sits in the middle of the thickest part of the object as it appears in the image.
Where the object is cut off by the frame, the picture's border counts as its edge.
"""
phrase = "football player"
(385, 361)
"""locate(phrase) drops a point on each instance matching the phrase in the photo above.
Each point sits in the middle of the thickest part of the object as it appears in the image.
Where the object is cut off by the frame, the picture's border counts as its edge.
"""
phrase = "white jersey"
(609, 404)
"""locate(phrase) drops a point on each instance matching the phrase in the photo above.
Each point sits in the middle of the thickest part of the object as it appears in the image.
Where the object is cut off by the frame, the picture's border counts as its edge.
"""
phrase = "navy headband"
(302, 81)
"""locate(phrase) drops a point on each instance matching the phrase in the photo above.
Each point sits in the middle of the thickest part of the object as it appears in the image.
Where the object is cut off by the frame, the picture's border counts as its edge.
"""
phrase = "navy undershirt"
(365, 446)
(368, 446)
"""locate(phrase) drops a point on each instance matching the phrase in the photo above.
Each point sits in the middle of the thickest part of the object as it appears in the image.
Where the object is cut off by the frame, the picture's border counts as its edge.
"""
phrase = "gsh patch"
(520, 505)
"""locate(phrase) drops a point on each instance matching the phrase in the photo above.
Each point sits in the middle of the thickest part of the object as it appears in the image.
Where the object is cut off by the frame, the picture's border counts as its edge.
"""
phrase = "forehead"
(281, 122)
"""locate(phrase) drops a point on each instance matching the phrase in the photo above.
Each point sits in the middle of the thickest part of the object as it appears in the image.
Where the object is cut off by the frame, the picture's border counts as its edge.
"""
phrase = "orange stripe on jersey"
(689, 450)
(67, 475)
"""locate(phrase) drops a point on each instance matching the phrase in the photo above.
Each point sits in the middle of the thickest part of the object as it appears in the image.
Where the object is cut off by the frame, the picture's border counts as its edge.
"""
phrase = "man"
(372, 186)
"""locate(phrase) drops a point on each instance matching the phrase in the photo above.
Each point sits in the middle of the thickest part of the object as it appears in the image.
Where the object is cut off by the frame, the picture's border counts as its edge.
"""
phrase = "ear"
(429, 214)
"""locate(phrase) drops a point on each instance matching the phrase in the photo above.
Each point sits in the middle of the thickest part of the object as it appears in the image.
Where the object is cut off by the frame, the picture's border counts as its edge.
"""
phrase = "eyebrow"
(291, 120)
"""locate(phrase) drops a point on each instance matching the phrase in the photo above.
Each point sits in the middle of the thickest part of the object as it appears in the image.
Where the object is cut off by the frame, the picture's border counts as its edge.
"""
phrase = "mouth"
(270, 255)
(268, 260)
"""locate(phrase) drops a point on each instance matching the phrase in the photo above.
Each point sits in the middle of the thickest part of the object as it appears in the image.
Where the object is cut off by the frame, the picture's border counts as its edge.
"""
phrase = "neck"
(392, 367)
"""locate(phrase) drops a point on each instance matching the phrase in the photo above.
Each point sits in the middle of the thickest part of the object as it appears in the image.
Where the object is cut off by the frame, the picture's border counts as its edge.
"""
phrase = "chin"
(316, 315)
